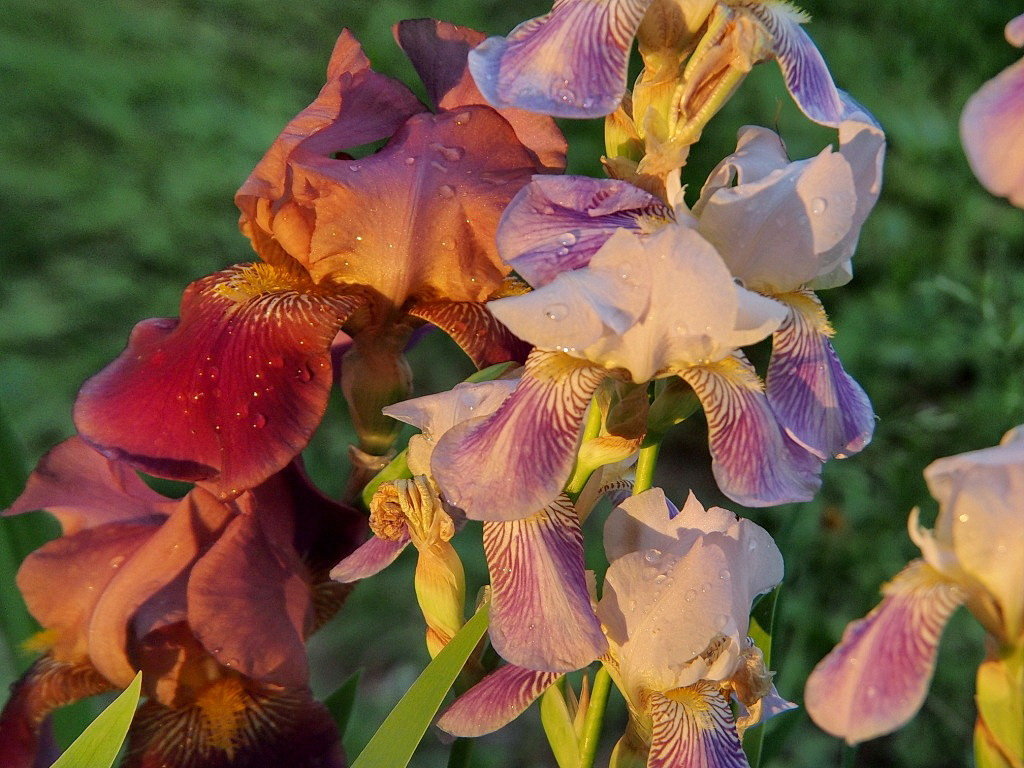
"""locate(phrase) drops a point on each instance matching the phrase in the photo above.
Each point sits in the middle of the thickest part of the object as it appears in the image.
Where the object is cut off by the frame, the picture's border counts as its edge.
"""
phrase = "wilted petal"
(992, 132)
(516, 461)
(82, 488)
(495, 701)
(371, 558)
(541, 617)
(754, 462)
(233, 724)
(570, 63)
(765, 708)
(694, 728)
(556, 223)
(231, 392)
(875, 680)
(475, 329)
(816, 401)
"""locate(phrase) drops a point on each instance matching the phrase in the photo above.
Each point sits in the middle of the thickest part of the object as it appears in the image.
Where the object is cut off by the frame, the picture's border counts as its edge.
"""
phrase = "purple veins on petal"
(876, 679)
(817, 402)
(754, 462)
(556, 223)
(495, 701)
(541, 616)
(570, 63)
(694, 728)
(371, 558)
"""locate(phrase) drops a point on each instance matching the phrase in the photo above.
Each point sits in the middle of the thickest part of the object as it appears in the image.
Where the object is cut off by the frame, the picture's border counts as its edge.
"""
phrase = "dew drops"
(819, 205)
(463, 117)
(563, 251)
(690, 596)
(556, 312)
(705, 586)
(446, 191)
(964, 518)
(438, 166)
(410, 160)
(652, 555)
(117, 561)
(567, 239)
(751, 545)
(660, 578)
(355, 167)
(724, 574)
(259, 421)
(451, 154)
(547, 210)
(304, 374)
(275, 362)
(565, 94)
(447, 245)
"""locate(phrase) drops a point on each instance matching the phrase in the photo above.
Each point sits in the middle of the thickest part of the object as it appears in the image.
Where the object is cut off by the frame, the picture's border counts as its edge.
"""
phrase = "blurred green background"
(127, 127)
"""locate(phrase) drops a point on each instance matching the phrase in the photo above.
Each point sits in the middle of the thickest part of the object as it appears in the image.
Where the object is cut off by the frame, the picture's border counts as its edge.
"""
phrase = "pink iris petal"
(1015, 31)
(516, 461)
(570, 63)
(495, 701)
(804, 70)
(541, 617)
(438, 51)
(229, 394)
(371, 558)
(992, 132)
(470, 325)
(556, 223)
(648, 521)
(819, 404)
(82, 488)
(875, 680)
(699, 733)
(754, 462)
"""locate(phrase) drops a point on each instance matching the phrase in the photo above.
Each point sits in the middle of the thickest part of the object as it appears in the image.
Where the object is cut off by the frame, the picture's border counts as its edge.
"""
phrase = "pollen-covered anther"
(387, 518)
(410, 504)
(223, 705)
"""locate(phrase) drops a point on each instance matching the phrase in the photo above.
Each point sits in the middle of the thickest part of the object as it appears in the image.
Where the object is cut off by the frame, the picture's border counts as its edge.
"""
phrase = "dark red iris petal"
(475, 329)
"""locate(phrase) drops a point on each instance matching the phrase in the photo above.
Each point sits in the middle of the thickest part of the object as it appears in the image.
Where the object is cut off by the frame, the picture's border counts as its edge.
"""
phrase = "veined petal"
(82, 488)
(694, 728)
(228, 394)
(371, 558)
(516, 461)
(495, 701)
(754, 462)
(475, 329)
(820, 406)
(570, 63)
(876, 679)
(541, 617)
(804, 70)
(556, 223)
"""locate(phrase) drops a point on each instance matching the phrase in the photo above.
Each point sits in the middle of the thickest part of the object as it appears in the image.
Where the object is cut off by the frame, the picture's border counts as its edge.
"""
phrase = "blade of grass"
(340, 703)
(99, 743)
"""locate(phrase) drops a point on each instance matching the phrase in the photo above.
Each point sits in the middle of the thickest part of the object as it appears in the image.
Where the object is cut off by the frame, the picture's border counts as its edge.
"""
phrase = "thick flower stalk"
(212, 601)
(876, 679)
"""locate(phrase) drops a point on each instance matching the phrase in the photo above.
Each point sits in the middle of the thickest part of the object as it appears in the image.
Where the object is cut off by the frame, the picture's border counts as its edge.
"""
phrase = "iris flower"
(212, 601)
(573, 61)
(876, 679)
(378, 245)
(992, 127)
(675, 608)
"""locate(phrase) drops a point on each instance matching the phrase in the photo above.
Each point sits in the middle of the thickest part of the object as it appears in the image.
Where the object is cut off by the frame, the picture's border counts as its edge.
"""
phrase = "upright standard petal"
(876, 679)
(570, 63)
(693, 726)
(229, 393)
(541, 617)
(754, 462)
(815, 399)
(495, 701)
(516, 461)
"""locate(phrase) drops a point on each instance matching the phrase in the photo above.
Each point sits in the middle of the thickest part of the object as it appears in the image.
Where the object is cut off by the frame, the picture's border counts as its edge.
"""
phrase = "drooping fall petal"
(570, 63)
(495, 701)
(876, 679)
(371, 558)
(693, 726)
(229, 393)
(471, 325)
(541, 617)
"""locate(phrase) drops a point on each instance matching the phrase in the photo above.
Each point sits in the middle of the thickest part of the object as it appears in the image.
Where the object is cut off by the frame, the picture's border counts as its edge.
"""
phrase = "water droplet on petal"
(212, 372)
(446, 191)
(652, 555)
(275, 362)
(566, 94)
(660, 578)
(724, 574)
(462, 118)
(304, 374)
(410, 160)
(682, 329)
(819, 205)
(451, 153)
(563, 251)
(259, 421)
(556, 312)
(547, 210)
(705, 586)
(354, 167)
(964, 518)
(690, 596)
(117, 561)
(567, 239)
(751, 545)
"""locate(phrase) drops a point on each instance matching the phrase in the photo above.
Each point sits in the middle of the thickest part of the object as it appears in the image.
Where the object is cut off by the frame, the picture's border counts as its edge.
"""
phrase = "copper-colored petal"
(475, 329)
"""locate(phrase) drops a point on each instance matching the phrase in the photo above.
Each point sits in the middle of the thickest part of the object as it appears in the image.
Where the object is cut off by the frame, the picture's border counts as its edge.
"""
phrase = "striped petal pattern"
(371, 558)
(815, 399)
(694, 729)
(754, 462)
(570, 63)
(475, 329)
(516, 461)
(495, 701)
(541, 617)
(876, 679)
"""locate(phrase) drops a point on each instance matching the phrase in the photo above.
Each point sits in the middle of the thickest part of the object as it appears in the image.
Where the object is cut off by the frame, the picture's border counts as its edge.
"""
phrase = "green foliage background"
(127, 126)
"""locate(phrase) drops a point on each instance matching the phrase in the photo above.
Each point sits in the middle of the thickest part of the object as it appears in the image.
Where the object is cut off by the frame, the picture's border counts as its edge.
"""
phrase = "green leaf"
(559, 727)
(491, 372)
(340, 703)
(395, 741)
(99, 744)
(762, 622)
(396, 468)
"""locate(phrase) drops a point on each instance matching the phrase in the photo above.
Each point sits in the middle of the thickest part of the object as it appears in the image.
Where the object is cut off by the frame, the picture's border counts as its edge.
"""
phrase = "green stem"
(582, 473)
(459, 756)
(645, 468)
(595, 717)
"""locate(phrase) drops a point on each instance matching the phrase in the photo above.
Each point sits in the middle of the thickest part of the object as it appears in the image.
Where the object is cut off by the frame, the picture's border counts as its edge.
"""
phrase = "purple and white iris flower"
(992, 127)
(676, 609)
(573, 61)
(876, 679)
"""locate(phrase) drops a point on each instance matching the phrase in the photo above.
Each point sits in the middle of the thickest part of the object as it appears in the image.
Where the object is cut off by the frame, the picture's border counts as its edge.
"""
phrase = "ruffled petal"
(754, 462)
(371, 558)
(694, 728)
(516, 461)
(816, 401)
(438, 51)
(541, 617)
(570, 63)
(495, 701)
(876, 679)
(475, 329)
(231, 392)
(557, 223)
(82, 488)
